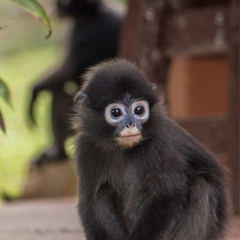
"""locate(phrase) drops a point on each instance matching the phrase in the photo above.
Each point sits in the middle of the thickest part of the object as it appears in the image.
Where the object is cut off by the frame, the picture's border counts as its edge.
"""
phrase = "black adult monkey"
(141, 175)
(94, 38)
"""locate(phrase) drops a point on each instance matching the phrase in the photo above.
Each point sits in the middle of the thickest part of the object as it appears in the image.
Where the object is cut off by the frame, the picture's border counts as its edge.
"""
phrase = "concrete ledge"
(40, 219)
(54, 219)
(57, 179)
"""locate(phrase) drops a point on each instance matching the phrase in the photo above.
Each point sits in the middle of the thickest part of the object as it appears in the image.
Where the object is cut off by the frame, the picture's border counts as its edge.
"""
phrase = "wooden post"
(150, 57)
(234, 102)
(129, 35)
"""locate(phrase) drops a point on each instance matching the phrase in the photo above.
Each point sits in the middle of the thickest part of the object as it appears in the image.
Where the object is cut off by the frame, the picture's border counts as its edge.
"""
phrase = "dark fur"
(94, 37)
(167, 187)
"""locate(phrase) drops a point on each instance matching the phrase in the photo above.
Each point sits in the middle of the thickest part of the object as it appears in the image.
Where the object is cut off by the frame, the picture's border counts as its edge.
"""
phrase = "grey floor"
(54, 219)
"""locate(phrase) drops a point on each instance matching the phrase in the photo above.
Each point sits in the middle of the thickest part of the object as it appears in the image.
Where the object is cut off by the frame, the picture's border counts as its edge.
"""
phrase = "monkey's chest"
(129, 197)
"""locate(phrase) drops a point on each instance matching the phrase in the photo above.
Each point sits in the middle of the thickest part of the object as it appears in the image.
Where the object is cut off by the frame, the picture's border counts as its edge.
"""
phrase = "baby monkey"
(141, 176)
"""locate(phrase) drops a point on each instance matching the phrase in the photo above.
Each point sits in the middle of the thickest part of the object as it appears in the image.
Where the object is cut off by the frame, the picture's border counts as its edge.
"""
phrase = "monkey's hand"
(31, 106)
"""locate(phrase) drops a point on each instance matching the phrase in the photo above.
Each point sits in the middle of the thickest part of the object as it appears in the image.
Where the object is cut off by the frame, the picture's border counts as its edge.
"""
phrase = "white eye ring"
(108, 114)
(145, 115)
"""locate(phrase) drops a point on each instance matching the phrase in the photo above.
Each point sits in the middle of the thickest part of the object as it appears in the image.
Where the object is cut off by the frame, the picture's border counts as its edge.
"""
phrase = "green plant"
(34, 8)
(5, 95)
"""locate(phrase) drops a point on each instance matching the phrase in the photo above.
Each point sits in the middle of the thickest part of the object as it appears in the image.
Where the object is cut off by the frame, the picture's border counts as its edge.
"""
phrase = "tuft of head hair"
(113, 80)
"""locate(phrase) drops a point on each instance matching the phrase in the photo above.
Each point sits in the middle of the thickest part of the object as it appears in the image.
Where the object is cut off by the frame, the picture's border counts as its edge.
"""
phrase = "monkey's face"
(127, 119)
(116, 105)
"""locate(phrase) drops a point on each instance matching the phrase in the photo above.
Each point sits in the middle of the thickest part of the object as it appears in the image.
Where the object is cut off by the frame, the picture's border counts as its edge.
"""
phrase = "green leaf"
(2, 125)
(34, 8)
(4, 92)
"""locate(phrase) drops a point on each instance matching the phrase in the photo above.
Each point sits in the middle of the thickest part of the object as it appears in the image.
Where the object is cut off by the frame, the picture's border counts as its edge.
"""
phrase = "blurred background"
(201, 79)
(189, 47)
(25, 56)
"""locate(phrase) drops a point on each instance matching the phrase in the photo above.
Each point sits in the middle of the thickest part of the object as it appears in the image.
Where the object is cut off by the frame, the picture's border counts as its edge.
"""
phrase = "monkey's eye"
(139, 110)
(116, 112)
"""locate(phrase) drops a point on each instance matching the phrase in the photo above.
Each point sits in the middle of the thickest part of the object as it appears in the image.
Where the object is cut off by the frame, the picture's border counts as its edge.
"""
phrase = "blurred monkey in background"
(94, 38)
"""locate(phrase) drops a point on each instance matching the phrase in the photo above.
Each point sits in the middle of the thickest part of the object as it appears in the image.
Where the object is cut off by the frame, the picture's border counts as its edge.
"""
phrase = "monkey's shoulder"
(173, 134)
(200, 159)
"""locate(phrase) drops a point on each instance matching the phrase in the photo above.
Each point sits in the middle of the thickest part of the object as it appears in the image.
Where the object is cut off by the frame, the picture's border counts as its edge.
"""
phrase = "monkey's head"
(77, 8)
(115, 104)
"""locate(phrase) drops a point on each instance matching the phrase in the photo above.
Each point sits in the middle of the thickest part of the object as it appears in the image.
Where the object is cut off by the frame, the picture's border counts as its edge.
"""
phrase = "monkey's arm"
(99, 216)
(206, 210)
(55, 81)
(88, 220)
(97, 207)
(205, 216)
(67, 71)
(107, 214)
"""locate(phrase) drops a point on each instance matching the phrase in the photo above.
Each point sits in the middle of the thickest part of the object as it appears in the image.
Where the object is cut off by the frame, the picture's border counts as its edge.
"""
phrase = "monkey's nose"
(130, 125)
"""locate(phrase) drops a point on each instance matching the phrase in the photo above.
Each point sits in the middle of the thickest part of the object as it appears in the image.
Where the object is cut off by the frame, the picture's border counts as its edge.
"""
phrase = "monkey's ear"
(160, 94)
(156, 89)
(154, 86)
(81, 98)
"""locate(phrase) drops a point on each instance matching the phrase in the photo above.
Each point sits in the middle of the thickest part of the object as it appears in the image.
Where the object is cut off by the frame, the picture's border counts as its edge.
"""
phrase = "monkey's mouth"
(129, 140)
(130, 136)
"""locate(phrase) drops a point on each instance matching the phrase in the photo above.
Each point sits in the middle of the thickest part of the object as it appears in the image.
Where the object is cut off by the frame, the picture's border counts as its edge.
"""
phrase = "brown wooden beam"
(129, 35)
(234, 103)
(195, 32)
